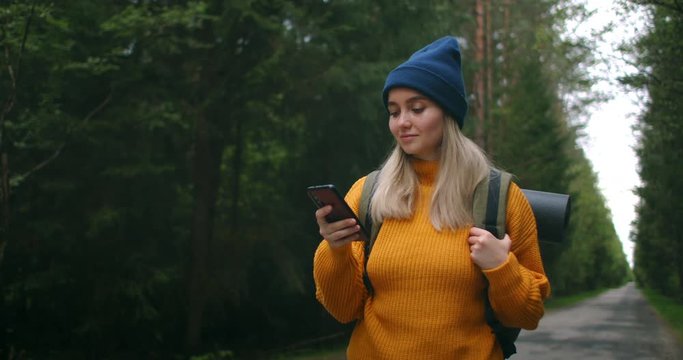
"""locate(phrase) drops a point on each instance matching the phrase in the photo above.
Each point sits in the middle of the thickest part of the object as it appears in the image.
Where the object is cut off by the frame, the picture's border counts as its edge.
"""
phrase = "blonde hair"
(462, 165)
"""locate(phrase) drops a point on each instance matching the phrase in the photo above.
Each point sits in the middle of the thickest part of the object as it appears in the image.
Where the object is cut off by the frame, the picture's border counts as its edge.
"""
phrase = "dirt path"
(619, 324)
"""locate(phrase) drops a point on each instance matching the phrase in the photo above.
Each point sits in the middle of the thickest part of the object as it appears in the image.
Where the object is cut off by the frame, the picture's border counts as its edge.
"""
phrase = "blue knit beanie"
(435, 72)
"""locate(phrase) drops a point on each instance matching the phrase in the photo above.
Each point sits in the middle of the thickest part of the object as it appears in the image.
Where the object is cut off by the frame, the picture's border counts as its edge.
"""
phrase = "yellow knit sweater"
(428, 301)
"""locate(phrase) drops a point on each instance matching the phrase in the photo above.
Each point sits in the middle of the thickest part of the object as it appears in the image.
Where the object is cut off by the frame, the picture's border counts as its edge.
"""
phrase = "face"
(416, 123)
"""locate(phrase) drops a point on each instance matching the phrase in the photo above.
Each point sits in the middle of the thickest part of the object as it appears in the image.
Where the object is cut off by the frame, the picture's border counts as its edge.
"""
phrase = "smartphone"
(323, 195)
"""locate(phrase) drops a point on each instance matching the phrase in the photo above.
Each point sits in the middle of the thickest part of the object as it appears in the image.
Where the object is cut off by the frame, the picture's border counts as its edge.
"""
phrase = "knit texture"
(428, 301)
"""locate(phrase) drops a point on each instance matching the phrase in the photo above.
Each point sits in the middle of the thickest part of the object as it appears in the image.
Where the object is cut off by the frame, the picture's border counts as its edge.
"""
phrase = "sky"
(610, 140)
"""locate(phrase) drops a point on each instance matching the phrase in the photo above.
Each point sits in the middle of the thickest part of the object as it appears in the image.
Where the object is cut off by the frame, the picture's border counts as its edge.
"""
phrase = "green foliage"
(658, 238)
(570, 300)
(531, 136)
(593, 258)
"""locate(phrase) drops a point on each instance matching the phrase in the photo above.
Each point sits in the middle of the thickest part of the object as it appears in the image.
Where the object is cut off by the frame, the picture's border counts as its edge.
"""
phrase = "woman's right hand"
(338, 233)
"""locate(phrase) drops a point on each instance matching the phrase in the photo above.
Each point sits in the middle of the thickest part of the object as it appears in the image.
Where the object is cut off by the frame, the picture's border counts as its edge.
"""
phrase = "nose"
(404, 119)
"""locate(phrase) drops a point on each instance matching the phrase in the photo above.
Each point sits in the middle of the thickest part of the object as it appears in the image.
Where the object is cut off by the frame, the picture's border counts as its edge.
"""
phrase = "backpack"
(489, 207)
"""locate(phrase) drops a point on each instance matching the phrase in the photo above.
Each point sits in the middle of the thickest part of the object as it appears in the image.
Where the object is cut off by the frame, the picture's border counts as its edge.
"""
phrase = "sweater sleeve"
(338, 273)
(518, 287)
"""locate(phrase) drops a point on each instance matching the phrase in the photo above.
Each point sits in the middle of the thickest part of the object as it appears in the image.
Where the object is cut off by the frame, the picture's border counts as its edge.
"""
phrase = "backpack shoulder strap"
(365, 199)
(365, 217)
(489, 202)
(489, 207)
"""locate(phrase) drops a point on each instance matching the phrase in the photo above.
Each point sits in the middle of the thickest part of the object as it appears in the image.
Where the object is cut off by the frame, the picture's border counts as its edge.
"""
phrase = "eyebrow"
(410, 100)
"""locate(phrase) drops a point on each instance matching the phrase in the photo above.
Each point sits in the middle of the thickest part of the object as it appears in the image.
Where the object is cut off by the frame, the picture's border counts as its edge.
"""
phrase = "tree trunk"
(205, 180)
(504, 77)
(680, 281)
(7, 105)
(237, 169)
(489, 102)
(479, 75)
(678, 259)
(4, 202)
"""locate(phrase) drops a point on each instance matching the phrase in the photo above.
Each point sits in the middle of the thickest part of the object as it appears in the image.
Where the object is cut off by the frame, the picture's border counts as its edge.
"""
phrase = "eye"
(418, 110)
(393, 114)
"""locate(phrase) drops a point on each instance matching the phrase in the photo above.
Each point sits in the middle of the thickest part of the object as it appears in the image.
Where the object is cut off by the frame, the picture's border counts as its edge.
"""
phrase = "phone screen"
(323, 195)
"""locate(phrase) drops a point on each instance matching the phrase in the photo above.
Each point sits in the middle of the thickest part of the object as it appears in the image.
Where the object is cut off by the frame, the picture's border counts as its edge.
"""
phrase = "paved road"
(616, 325)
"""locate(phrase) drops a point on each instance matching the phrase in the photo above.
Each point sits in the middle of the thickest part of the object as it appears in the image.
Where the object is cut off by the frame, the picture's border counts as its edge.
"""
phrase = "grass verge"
(669, 309)
(569, 300)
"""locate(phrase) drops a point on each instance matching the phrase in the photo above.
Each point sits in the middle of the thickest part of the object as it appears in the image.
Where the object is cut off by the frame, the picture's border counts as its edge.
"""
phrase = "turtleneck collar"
(426, 170)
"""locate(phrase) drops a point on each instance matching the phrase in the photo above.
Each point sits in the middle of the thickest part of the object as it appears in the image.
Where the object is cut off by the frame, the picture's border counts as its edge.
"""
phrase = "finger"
(507, 241)
(352, 237)
(473, 240)
(483, 235)
(338, 241)
(341, 224)
(321, 213)
(475, 231)
(338, 234)
(347, 232)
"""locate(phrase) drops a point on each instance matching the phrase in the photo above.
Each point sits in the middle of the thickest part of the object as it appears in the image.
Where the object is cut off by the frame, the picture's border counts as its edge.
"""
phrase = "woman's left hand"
(486, 250)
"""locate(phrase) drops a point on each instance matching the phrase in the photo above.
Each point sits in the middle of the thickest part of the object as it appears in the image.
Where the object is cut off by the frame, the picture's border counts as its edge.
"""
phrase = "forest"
(155, 156)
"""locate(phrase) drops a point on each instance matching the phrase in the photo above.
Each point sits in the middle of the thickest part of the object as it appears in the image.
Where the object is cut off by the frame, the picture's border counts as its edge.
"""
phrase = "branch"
(649, 74)
(13, 74)
(58, 152)
(97, 109)
(43, 163)
(25, 36)
(675, 5)
(9, 103)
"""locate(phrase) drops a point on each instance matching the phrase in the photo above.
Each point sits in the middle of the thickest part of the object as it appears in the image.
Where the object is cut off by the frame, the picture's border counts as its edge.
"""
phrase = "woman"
(427, 262)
